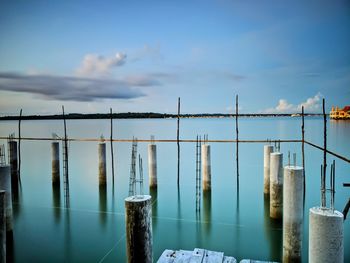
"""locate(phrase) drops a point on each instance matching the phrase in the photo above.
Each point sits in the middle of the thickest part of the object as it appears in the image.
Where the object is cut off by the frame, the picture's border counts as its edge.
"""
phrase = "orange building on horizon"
(340, 114)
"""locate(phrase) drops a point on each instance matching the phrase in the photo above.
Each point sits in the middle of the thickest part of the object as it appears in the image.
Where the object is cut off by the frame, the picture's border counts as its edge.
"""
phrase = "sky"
(140, 56)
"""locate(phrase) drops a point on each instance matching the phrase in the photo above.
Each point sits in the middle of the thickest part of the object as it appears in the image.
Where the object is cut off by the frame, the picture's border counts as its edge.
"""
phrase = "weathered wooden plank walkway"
(199, 255)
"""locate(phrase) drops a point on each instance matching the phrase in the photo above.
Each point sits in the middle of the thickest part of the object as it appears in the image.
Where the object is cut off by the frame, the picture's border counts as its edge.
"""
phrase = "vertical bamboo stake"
(111, 139)
(323, 184)
(178, 143)
(237, 163)
(303, 144)
(19, 145)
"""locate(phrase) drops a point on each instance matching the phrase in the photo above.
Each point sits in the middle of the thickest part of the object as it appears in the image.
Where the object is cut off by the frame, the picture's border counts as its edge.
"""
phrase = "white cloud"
(94, 64)
(312, 104)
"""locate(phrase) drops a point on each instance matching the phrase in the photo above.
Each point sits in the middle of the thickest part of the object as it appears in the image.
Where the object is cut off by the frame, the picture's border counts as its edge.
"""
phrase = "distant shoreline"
(147, 115)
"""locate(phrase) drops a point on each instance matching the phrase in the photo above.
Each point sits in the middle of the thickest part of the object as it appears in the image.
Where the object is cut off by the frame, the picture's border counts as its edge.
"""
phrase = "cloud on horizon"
(69, 88)
(94, 64)
(312, 104)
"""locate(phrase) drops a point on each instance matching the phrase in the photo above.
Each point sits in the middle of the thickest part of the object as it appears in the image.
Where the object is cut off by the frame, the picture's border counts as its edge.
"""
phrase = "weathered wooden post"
(102, 163)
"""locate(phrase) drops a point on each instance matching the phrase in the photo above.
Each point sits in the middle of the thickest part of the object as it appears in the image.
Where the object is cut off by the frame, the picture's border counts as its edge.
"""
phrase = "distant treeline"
(147, 115)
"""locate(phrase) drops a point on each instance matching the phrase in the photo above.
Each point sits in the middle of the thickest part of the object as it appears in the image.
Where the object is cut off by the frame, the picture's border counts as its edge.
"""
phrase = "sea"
(234, 219)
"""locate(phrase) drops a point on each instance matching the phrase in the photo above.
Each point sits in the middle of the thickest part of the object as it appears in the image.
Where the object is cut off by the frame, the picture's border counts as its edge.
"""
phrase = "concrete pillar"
(268, 149)
(55, 149)
(276, 185)
(102, 163)
(292, 213)
(138, 217)
(13, 163)
(326, 236)
(5, 184)
(2, 226)
(206, 167)
(152, 165)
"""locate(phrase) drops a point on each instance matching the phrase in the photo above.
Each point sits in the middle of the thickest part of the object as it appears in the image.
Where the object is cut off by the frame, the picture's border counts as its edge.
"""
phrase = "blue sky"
(142, 55)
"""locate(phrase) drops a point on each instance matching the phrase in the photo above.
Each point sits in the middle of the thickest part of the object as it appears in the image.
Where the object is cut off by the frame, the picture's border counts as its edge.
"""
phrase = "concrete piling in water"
(55, 163)
(292, 213)
(326, 235)
(2, 226)
(268, 149)
(276, 185)
(206, 167)
(5, 184)
(138, 217)
(102, 163)
(152, 165)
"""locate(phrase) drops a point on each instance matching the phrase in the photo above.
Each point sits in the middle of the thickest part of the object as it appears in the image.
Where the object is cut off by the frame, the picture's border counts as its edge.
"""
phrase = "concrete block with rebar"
(206, 167)
(292, 213)
(55, 163)
(268, 149)
(276, 185)
(5, 184)
(102, 178)
(326, 235)
(138, 217)
(152, 165)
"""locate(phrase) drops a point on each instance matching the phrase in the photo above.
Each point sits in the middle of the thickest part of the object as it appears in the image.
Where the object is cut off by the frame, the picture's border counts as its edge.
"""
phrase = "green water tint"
(93, 228)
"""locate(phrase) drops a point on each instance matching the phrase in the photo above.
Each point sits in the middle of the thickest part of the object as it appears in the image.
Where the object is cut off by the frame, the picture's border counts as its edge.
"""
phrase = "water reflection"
(154, 194)
(10, 247)
(56, 202)
(273, 231)
(16, 200)
(67, 235)
(207, 212)
(103, 204)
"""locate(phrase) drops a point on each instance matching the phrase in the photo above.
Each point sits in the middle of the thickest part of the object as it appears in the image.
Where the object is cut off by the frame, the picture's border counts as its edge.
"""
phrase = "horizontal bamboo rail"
(182, 140)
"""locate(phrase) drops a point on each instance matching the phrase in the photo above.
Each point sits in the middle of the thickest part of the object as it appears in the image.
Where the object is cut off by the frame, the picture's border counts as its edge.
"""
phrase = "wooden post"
(323, 183)
(178, 143)
(112, 155)
(237, 163)
(19, 146)
(303, 144)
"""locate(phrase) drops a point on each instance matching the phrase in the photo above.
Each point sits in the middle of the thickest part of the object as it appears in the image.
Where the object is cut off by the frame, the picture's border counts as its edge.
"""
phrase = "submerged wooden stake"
(19, 145)
(303, 145)
(237, 163)
(112, 154)
(323, 183)
(178, 142)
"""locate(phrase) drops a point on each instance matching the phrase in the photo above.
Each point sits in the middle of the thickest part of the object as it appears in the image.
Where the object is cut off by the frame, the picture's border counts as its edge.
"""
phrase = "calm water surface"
(93, 229)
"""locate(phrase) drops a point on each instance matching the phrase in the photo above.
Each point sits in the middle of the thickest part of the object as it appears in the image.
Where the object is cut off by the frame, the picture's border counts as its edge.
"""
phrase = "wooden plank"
(229, 260)
(167, 256)
(197, 255)
(213, 257)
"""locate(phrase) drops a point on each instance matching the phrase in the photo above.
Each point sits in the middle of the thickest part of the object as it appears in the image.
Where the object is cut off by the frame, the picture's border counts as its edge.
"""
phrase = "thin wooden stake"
(237, 163)
(19, 145)
(178, 142)
(112, 154)
(303, 145)
(324, 153)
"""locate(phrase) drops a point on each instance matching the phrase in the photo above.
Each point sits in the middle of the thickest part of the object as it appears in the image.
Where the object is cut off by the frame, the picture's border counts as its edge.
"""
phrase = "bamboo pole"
(111, 140)
(303, 145)
(178, 142)
(323, 183)
(19, 145)
(237, 163)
